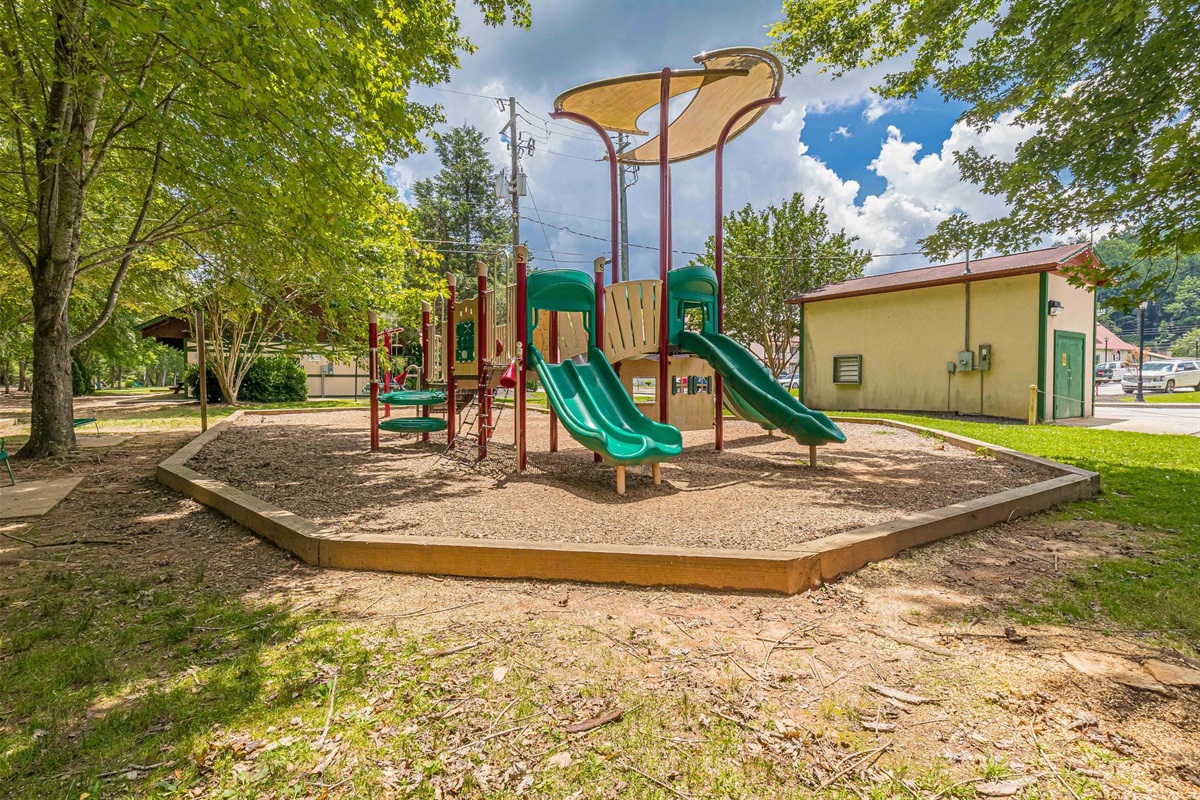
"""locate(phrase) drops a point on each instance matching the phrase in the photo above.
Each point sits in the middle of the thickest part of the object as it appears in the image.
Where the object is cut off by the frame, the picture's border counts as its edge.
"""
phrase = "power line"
(539, 222)
(568, 155)
(467, 94)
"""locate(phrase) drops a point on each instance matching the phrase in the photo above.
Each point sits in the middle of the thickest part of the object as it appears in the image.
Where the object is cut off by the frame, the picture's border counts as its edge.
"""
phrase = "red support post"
(719, 251)
(426, 355)
(552, 335)
(373, 366)
(520, 255)
(387, 370)
(483, 346)
(448, 338)
(664, 239)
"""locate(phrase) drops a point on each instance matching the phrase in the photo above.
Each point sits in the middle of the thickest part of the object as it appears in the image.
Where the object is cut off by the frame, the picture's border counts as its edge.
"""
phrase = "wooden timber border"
(789, 571)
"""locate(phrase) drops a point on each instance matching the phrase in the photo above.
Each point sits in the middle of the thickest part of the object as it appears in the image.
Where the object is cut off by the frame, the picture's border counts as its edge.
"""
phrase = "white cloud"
(921, 190)
(841, 131)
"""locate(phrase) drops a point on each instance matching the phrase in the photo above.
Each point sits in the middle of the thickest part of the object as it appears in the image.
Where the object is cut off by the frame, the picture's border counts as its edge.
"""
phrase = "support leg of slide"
(812, 455)
(656, 471)
(620, 480)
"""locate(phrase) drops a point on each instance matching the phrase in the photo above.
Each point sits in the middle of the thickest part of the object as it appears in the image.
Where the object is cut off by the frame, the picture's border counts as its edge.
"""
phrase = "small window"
(847, 369)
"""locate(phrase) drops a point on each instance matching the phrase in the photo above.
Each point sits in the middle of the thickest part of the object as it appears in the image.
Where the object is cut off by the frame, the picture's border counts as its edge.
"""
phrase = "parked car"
(1109, 371)
(1164, 376)
(787, 379)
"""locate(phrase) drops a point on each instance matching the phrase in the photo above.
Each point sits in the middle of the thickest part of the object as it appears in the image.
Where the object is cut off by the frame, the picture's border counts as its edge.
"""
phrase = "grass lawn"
(131, 391)
(1151, 486)
(1175, 397)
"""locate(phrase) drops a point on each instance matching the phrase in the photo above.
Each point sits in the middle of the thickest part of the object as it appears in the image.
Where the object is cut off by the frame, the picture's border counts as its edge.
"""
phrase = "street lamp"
(1139, 397)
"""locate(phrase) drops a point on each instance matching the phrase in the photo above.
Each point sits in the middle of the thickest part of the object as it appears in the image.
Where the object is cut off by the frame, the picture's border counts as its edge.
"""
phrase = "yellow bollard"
(1033, 392)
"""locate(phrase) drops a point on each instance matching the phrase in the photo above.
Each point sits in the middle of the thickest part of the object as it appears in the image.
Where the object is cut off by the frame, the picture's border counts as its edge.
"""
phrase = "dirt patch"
(929, 622)
(759, 494)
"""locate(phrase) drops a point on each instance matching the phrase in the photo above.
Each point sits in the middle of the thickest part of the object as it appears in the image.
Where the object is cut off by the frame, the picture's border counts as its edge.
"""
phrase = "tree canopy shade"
(1107, 91)
(130, 125)
(770, 257)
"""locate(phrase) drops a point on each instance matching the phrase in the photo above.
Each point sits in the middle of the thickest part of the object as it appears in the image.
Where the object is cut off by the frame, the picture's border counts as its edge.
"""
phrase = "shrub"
(191, 379)
(81, 379)
(274, 379)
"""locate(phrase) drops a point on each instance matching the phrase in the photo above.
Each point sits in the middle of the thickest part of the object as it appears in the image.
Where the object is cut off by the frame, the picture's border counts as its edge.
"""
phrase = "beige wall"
(1078, 315)
(906, 338)
(343, 382)
(688, 412)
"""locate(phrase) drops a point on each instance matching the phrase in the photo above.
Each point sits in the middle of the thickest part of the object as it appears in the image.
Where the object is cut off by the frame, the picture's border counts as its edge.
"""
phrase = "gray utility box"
(985, 356)
(966, 361)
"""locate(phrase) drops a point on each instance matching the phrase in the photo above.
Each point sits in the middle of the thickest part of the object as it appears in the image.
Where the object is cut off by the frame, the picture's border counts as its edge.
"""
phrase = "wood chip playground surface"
(759, 494)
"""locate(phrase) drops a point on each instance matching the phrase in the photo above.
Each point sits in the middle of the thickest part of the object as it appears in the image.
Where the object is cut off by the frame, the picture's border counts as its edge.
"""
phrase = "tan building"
(326, 378)
(949, 339)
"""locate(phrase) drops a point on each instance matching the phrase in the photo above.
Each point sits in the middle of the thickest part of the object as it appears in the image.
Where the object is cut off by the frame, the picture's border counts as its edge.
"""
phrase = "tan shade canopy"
(729, 79)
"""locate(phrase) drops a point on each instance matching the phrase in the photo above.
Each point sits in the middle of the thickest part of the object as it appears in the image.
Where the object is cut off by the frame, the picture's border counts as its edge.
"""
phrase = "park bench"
(12, 481)
(82, 421)
(177, 388)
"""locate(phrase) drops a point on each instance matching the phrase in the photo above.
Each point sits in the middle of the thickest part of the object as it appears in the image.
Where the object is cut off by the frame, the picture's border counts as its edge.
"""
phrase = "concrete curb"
(783, 571)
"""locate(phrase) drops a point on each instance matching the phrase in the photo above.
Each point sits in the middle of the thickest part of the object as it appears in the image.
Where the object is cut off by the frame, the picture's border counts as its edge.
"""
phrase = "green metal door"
(1069, 375)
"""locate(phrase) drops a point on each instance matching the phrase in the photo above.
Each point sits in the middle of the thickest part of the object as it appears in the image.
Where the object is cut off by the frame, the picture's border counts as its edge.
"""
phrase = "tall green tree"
(771, 256)
(127, 126)
(458, 207)
(1107, 91)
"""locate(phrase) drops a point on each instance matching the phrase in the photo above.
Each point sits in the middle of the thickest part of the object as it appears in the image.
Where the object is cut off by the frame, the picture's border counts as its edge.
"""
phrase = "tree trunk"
(22, 383)
(51, 423)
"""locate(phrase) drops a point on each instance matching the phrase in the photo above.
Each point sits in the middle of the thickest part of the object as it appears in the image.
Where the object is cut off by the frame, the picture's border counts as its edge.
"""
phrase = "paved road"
(1144, 417)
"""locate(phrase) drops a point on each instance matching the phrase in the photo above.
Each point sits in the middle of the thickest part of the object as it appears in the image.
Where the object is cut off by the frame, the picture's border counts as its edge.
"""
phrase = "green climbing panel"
(464, 341)
(413, 424)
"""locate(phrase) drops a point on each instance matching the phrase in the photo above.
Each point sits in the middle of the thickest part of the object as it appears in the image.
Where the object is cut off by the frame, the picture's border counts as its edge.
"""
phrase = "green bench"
(12, 481)
(82, 421)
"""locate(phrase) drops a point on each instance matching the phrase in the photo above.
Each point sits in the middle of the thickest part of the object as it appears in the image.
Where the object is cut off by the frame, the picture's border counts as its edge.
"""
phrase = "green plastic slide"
(600, 415)
(749, 384)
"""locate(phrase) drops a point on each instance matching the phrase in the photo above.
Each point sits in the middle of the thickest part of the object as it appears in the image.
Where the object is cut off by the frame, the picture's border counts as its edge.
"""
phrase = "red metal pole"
(426, 356)
(664, 238)
(552, 335)
(481, 351)
(452, 281)
(387, 370)
(520, 254)
(719, 251)
(614, 214)
(373, 366)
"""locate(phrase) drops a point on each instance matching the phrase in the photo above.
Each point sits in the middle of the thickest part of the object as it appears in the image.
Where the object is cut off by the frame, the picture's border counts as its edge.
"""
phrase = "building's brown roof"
(1110, 340)
(1050, 259)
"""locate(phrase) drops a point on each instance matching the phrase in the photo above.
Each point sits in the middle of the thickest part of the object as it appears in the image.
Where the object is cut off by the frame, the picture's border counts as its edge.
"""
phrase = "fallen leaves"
(1006, 788)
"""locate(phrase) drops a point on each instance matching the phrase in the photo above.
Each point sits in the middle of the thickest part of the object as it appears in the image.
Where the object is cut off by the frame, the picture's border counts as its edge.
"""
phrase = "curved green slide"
(750, 385)
(600, 415)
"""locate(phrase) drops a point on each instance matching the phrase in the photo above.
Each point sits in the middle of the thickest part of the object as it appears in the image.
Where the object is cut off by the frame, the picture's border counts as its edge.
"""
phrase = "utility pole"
(622, 143)
(514, 176)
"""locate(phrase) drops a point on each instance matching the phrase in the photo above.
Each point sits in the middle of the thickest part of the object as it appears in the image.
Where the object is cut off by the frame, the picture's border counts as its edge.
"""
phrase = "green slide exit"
(751, 385)
(600, 415)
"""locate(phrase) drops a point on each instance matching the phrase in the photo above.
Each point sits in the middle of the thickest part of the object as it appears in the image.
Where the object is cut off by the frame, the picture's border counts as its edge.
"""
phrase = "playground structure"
(588, 342)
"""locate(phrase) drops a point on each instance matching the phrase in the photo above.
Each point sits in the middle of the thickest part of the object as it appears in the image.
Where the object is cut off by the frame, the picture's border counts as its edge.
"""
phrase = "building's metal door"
(1069, 375)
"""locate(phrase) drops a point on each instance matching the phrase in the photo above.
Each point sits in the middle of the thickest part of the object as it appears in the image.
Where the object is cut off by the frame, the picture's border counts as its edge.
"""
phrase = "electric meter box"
(966, 361)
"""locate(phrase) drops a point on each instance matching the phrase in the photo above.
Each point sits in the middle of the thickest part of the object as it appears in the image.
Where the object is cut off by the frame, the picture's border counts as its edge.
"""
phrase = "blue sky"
(885, 170)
